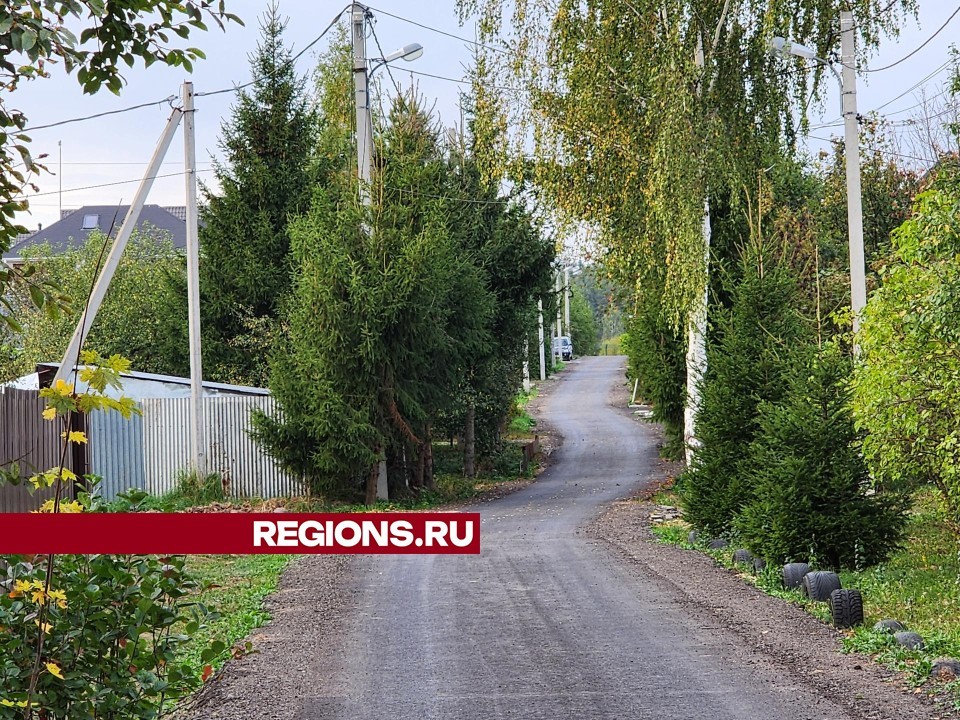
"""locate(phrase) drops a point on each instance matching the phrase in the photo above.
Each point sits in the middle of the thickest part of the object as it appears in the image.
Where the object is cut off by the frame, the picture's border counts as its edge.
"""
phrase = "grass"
(235, 587)
(919, 586)
(521, 423)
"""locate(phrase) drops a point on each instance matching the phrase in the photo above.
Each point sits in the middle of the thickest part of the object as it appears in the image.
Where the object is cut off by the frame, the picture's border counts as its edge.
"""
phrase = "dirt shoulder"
(805, 647)
(304, 613)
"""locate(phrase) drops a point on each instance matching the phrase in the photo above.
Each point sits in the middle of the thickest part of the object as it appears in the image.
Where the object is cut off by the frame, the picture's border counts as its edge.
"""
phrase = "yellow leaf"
(63, 388)
(68, 475)
(54, 670)
(50, 413)
(46, 626)
(11, 703)
(59, 596)
(75, 436)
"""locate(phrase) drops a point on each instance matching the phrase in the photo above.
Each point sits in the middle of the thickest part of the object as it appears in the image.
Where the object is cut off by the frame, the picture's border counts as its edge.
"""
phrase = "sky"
(115, 149)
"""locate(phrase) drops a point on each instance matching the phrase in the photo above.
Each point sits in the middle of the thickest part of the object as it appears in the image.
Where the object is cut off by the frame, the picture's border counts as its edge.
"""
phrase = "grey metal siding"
(230, 451)
(116, 451)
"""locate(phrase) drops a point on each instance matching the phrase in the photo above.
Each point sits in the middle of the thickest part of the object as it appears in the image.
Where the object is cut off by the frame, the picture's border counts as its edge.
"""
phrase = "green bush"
(656, 352)
(746, 361)
(907, 387)
(808, 480)
(110, 650)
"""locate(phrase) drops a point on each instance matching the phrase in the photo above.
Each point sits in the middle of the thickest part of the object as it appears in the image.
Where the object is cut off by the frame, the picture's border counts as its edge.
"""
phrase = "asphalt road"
(546, 622)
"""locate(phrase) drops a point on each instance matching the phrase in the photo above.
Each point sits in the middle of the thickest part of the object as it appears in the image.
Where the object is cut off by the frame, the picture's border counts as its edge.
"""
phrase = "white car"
(563, 347)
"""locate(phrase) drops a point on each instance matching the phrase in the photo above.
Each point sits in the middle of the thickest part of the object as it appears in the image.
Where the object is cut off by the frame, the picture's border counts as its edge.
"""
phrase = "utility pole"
(361, 90)
(559, 306)
(851, 145)
(60, 178)
(362, 100)
(543, 355)
(526, 365)
(566, 299)
(197, 445)
(72, 354)
(696, 360)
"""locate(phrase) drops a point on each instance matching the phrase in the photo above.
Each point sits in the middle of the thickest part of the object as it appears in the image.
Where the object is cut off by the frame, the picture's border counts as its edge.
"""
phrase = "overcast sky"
(116, 148)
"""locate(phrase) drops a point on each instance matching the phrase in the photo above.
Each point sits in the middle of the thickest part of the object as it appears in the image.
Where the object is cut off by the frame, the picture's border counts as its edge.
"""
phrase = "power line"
(443, 32)
(376, 39)
(169, 99)
(915, 86)
(109, 184)
(289, 63)
(925, 43)
(461, 81)
(447, 197)
(875, 149)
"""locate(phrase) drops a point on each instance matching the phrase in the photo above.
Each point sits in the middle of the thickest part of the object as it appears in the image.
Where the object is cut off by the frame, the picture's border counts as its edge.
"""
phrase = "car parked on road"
(563, 347)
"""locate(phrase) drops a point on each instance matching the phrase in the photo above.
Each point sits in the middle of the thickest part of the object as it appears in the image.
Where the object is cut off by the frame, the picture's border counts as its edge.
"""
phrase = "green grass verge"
(235, 586)
(919, 586)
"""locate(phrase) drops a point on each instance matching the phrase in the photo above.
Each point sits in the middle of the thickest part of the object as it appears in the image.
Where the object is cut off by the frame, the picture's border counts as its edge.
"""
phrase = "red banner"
(239, 533)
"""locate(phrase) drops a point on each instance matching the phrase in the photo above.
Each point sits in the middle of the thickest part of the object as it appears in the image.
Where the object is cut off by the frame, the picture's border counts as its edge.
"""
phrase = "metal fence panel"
(32, 442)
(230, 451)
(116, 451)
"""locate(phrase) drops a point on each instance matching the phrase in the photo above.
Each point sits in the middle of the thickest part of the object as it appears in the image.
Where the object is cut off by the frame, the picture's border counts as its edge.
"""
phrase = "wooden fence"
(32, 443)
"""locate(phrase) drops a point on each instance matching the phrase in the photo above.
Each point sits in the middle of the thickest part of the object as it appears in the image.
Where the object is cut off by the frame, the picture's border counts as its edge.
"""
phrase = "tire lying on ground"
(945, 668)
(717, 544)
(909, 640)
(742, 556)
(793, 574)
(846, 608)
(888, 626)
(759, 564)
(818, 585)
(692, 537)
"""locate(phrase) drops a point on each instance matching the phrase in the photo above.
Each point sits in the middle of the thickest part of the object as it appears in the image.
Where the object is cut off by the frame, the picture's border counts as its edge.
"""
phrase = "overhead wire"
(289, 63)
(109, 184)
(475, 43)
(921, 47)
(168, 100)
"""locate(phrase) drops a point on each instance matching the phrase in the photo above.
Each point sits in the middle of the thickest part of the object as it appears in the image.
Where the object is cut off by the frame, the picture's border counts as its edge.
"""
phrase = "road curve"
(546, 622)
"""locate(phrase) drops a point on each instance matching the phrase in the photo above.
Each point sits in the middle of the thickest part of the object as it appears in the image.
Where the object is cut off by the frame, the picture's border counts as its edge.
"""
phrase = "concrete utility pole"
(696, 360)
(197, 445)
(543, 355)
(361, 90)
(72, 354)
(559, 306)
(362, 100)
(851, 145)
(526, 366)
(566, 298)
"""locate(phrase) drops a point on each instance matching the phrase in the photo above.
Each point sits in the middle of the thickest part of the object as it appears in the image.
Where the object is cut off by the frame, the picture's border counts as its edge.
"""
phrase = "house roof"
(72, 230)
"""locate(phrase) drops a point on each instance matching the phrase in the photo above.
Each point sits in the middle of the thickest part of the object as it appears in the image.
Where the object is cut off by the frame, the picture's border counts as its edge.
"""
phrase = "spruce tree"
(747, 359)
(810, 484)
(266, 177)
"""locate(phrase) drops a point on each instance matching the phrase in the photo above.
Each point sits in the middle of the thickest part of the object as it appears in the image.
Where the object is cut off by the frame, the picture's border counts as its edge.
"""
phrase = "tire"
(888, 626)
(742, 557)
(692, 537)
(846, 608)
(759, 564)
(818, 585)
(909, 640)
(793, 574)
(717, 544)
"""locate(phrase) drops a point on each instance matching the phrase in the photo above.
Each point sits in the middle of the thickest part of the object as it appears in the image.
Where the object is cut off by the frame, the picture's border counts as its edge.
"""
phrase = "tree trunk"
(372, 478)
(469, 443)
(428, 478)
(418, 470)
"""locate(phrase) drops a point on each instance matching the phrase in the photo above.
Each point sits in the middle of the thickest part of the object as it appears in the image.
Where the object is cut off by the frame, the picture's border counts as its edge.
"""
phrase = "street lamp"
(851, 142)
(408, 52)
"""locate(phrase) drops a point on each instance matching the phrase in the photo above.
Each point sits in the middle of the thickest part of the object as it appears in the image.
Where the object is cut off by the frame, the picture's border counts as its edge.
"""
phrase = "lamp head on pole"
(407, 52)
(785, 47)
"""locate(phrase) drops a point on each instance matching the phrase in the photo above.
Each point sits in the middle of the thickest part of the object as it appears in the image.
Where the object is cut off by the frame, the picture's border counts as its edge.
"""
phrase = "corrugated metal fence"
(246, 469)
(146, 452)
(30, 441)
